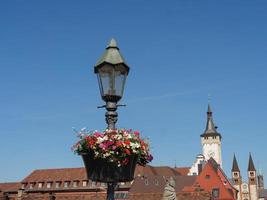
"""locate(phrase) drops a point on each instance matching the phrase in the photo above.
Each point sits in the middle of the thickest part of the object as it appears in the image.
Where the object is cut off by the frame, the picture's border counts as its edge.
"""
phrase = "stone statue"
(169, 190)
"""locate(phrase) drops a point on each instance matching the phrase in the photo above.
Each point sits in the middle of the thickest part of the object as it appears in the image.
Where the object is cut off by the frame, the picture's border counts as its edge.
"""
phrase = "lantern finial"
(112, 44)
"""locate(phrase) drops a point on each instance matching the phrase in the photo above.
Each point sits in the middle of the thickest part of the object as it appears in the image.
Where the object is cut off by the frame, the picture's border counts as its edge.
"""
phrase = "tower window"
(235, 174)
(251, 173)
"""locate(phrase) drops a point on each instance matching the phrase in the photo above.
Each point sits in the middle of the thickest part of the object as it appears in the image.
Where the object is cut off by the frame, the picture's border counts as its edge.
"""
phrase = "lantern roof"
(112, 55)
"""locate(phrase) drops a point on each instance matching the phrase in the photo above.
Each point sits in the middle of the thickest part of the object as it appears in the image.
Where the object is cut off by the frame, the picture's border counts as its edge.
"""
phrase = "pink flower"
(97, 134)
(136, 133)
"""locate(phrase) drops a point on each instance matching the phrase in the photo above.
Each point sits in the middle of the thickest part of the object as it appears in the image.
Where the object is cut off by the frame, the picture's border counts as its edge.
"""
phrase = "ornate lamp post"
(111, 70)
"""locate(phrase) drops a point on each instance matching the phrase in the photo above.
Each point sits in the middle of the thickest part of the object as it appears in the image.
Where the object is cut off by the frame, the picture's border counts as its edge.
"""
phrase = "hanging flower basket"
(111, 156)
(101, 170)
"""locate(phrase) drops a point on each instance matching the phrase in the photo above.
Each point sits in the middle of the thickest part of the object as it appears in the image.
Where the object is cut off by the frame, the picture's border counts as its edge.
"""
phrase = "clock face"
(211, 154)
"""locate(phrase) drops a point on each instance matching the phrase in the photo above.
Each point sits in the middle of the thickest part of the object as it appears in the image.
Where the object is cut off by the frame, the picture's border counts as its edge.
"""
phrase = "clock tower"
(211, 140)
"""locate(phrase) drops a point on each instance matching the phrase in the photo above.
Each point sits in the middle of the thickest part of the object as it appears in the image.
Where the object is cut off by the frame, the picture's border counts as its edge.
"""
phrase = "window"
(58, 183)
(207, 177)
(40, 185)
(49, 184)
(93, 184)
(85, 183)
(215, 192)
(156, 182)
(235, 174)
(32, 185)
(75, 183)
(251, 173)
(66, 184)
(146, 182)
(23, 186)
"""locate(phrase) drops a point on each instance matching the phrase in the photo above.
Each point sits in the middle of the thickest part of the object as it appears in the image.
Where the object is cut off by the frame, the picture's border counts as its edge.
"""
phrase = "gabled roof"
(251, 166)
(235, 167)
(211, 129)
(213, 163)
(213, 171)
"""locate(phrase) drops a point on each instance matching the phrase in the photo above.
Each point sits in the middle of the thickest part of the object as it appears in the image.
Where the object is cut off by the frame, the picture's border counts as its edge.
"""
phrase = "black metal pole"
(111, 114)
(111, 191)
(111, 119)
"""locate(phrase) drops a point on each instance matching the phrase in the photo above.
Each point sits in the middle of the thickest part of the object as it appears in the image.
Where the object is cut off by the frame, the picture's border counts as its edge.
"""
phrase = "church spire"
(251, 166)
(210, 127)
(235, 167)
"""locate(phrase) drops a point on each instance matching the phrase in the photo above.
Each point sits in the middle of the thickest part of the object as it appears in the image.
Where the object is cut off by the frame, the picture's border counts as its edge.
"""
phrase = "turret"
(251, 171)
(211, 140)
(237, 179)
(236, 172)
(252, 179)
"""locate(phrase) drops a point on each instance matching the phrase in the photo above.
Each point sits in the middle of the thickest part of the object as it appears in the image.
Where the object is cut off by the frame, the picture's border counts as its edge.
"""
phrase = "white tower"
(211, 140)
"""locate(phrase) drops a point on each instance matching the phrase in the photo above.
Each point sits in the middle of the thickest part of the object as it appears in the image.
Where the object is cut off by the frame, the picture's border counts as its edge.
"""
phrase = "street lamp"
(111, 70)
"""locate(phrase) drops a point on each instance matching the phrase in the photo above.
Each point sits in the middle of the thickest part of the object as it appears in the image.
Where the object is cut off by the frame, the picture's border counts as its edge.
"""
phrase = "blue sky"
(178, 52)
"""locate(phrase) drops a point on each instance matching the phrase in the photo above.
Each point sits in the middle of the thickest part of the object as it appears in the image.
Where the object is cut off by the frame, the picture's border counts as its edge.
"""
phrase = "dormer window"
(85, 183)
(66, 184)
(23, 186)
(40, 184)
(58, 183)
(32, 185)
(75, 183)
(93, 184)
(49, 184)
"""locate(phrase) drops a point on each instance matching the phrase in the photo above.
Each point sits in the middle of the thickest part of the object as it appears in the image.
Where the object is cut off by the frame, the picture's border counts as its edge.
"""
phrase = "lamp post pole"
(111, 70)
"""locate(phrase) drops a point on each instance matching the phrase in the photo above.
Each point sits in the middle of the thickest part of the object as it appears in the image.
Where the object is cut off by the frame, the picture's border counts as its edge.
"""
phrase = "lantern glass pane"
(120, 77)
(106, 80)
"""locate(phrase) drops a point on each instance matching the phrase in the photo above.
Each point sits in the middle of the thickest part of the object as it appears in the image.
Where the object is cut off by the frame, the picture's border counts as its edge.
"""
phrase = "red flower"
(118, 144)
(127, 151)
(127, 142)
(125, 161)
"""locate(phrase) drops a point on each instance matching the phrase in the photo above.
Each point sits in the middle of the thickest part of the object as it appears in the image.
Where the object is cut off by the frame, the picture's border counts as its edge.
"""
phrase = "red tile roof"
(64, 174)
(156, 184)
(9, 187)
(182, 170)
(156, 170)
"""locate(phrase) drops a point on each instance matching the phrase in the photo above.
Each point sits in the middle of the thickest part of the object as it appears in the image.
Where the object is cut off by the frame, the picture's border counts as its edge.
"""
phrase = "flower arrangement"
(114, 146)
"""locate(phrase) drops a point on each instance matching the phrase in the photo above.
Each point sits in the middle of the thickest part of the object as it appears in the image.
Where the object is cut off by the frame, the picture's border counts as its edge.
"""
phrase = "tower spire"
(251, 166)
(210, 127)
(235, 167)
